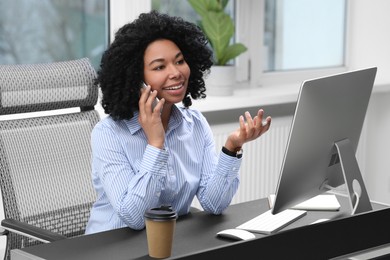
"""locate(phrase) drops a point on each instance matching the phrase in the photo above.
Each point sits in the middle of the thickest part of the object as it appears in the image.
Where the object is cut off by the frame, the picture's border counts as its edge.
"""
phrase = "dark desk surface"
(195, 232)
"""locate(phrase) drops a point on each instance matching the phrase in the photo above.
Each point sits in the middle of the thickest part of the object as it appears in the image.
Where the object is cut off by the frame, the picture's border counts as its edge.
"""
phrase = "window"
(35, 31)
(289, 37)
(297, 39)
(303, 34)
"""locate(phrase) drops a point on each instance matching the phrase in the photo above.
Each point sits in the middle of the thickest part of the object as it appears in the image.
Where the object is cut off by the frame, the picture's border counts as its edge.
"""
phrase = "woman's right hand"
(150, 119)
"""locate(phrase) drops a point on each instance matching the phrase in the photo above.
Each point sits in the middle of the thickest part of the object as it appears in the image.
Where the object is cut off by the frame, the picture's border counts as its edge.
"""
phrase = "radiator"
(262, 159)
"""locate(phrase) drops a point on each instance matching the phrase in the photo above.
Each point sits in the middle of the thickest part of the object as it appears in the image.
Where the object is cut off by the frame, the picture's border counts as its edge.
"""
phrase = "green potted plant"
(218, 27)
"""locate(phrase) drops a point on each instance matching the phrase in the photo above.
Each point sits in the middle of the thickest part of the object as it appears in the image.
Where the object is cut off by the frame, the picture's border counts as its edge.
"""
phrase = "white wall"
(377, 175)
(369, 45)
(369, 39)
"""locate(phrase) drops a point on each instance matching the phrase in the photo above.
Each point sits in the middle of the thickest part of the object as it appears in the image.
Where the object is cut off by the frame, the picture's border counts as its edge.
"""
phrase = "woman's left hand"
(250, 129)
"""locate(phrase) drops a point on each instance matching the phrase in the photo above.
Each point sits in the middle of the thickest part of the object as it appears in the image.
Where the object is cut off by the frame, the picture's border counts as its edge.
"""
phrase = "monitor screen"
(323, 139)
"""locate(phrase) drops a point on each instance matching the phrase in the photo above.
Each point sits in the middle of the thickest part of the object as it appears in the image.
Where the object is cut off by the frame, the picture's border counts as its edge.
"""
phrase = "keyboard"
(267, 223)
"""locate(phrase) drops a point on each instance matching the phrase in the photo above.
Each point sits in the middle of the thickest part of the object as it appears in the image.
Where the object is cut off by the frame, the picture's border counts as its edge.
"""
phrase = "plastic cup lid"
(161, 213)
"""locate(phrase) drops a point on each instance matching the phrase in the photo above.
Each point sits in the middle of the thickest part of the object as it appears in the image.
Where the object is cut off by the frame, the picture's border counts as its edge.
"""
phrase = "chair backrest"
(45, 160)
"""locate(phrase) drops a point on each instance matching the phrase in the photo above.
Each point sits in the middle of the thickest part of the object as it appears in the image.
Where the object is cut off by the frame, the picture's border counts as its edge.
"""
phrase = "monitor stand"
(358, 196)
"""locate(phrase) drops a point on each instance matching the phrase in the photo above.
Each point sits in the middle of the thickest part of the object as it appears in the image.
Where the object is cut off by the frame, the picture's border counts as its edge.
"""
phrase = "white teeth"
(174, 88)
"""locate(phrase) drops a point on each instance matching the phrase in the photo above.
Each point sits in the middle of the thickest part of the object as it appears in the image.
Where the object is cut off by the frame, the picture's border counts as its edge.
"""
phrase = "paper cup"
(160, 227)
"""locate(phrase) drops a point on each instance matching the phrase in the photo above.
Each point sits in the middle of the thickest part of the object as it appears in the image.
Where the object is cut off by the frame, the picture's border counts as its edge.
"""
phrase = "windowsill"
(261, 97)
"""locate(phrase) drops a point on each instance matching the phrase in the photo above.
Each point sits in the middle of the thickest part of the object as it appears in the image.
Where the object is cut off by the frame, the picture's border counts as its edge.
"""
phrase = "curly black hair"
(121, 69)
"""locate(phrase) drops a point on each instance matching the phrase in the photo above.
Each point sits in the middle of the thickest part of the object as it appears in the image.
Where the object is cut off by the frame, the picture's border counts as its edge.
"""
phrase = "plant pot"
(221, 81)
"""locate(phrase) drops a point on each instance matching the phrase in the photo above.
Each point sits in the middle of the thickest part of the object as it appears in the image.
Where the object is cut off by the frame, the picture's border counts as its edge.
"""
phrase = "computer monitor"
(323, 139)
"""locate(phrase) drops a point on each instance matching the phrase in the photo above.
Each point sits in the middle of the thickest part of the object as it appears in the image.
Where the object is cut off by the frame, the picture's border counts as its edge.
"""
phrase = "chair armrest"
(28, 230)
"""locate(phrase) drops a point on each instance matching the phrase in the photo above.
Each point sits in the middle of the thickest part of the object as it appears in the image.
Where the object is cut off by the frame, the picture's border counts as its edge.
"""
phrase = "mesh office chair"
(45, 160)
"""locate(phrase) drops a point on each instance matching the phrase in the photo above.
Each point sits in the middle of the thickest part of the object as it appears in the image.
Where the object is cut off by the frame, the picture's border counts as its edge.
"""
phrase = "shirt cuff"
(229, 166)
(155, 160)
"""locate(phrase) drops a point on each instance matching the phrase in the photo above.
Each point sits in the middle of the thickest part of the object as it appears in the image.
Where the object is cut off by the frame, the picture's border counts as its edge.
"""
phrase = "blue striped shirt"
(131, 176)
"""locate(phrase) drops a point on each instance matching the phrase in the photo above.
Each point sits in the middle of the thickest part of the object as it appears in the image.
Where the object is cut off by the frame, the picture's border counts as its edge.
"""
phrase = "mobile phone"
(154, 101)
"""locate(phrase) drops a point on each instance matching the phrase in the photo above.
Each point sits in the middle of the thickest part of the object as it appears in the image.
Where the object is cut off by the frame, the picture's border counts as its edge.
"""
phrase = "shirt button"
(234, 168)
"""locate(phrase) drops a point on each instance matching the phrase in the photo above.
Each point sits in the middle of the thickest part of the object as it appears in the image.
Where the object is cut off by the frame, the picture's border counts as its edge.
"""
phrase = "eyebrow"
(161, 59)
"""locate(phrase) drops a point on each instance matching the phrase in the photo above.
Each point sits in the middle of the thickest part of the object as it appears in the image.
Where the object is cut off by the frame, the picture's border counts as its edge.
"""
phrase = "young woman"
(148, 153)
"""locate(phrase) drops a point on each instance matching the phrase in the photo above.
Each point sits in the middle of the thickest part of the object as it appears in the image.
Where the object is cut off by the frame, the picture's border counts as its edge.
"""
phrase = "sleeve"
(219, 179)
(130, 193)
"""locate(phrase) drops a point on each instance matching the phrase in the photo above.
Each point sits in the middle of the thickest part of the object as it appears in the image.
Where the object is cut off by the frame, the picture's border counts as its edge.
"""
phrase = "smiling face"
(166, 71)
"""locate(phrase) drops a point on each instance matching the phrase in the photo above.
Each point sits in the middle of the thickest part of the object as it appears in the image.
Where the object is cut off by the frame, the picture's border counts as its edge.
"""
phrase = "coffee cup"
(160, 226)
